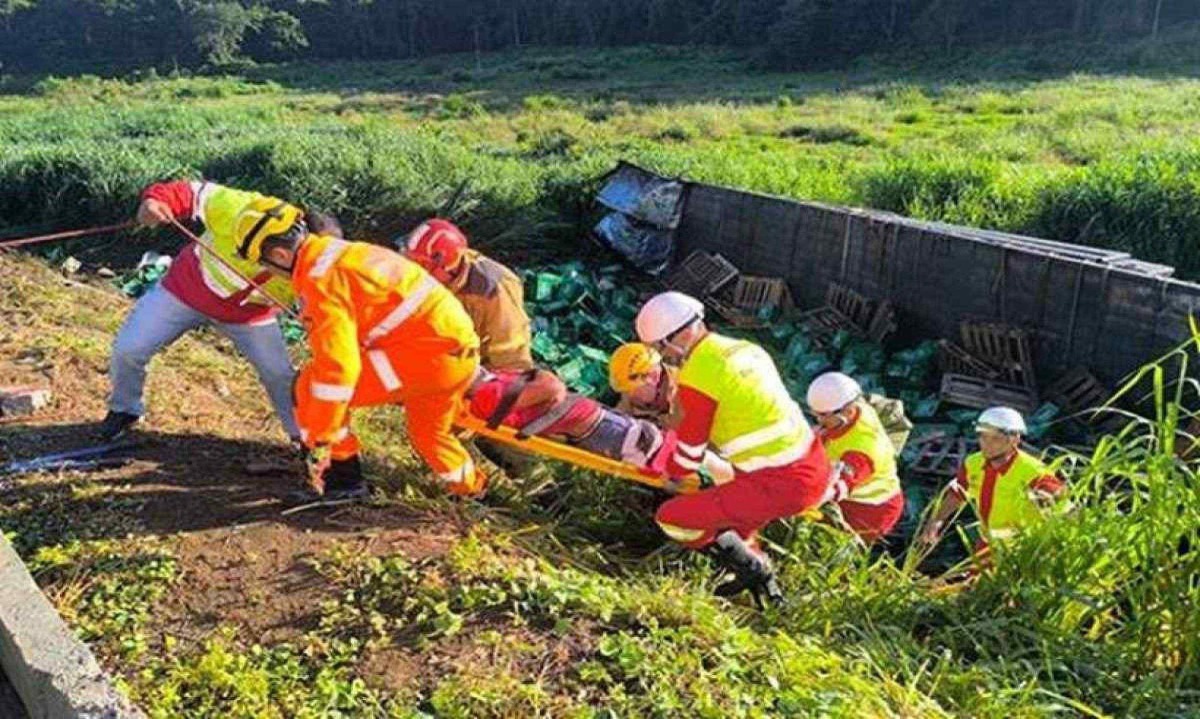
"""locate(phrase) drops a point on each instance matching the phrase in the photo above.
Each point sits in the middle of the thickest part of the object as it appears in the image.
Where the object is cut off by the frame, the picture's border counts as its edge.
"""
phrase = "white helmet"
(832, 391)
(1001, 419)
(665, 314)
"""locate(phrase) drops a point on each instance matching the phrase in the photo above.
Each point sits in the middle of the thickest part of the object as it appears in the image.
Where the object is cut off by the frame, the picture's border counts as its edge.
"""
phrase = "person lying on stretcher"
(537, 403)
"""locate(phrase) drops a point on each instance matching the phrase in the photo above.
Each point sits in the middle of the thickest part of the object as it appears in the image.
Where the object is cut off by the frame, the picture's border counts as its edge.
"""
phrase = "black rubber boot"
(344, 480)
(751, 570)
(116, 425)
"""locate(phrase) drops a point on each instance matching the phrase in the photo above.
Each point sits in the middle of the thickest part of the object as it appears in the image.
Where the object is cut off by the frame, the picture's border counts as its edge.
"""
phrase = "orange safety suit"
(383, 331)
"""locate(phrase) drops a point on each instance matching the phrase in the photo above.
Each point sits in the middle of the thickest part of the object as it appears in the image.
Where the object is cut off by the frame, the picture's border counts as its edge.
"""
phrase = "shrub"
(828, 134)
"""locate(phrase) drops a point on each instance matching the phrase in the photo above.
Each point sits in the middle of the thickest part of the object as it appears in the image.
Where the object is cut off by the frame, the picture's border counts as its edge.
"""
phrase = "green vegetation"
(550, 605)
(1099, 159)
(561, 600)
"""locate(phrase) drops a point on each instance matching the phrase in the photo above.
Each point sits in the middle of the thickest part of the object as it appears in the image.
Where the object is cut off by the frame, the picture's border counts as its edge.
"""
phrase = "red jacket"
(184, 279)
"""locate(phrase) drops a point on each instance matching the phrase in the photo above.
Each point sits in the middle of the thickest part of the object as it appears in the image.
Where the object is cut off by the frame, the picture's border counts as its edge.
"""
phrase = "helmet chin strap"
(669, 340)
(302, 233)
(288, 269)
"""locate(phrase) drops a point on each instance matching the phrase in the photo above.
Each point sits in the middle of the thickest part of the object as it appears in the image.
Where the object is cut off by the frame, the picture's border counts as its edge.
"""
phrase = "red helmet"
(438, 246)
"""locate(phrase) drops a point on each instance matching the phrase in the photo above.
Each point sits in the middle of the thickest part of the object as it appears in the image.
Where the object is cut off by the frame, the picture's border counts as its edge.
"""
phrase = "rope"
(9, 244)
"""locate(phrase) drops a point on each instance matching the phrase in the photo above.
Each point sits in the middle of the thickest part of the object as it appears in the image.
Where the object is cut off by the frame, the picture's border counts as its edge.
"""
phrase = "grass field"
(1101, 157)
(559, 599)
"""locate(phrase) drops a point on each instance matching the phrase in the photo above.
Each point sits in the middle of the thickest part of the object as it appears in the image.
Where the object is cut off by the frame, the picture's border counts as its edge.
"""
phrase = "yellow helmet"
(630, 364)
(264, 217)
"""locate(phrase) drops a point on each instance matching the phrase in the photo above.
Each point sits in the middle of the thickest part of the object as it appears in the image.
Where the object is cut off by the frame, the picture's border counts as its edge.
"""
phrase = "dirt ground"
(242, 563)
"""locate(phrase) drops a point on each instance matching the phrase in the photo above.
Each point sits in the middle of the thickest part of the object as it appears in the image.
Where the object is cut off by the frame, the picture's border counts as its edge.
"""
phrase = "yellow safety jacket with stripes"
(217, 207)
(733, 399)
(868, 437)
(1002, 496)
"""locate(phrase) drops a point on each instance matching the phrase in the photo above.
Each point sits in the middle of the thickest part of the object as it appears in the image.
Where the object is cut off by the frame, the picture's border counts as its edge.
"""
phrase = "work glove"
(316, 462)
(717, 467)
(838, 489)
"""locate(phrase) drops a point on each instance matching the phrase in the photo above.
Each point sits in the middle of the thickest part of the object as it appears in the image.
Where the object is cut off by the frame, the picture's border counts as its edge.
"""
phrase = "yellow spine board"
(578, 457)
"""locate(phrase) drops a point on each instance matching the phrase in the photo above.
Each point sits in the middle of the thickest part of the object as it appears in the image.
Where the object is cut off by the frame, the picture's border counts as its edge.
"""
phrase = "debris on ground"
(978, 393)
(848, 311)
(753, 301)
(1003, 347)
(150, 269)
(579, 317)
(112, 454)
(1078, 391)
(644, 211)
(645, 247)
(937, 455)
(702, 274)
(955, 359)
(22, 401)
(70, 266)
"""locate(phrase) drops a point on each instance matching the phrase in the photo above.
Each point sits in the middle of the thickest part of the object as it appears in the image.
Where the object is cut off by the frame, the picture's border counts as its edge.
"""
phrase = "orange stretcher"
(578, 457)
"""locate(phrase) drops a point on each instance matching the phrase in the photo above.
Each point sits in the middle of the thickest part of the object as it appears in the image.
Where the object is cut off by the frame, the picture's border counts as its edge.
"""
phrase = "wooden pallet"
(954, 359)
(939, 455)
(1004, 347)
(702, 274)
(824, 322)
(741, 306)
(734, 315)
(883, 322)
(978, 393)
(1078, 391)
(849, 303)
(751, 294)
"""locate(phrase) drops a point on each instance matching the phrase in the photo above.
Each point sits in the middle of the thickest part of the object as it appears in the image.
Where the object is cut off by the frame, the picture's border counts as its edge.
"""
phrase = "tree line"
(69, 35)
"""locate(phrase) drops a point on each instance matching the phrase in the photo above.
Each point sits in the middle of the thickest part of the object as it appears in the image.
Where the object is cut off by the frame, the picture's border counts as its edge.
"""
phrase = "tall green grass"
(1096, 613)
(1104, 160)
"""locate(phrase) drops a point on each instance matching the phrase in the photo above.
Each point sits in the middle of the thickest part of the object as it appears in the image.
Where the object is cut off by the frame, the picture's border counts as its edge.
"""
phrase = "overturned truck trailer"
(1098, 308)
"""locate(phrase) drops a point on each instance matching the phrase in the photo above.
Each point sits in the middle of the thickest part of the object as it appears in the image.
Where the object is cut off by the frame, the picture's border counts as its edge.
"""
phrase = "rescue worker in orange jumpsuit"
(381, 331)
(865, 484)
(732, 398)
(1009, 488)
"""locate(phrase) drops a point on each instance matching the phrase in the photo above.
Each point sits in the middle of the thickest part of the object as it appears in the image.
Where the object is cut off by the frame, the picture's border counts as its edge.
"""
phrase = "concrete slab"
(55, 674)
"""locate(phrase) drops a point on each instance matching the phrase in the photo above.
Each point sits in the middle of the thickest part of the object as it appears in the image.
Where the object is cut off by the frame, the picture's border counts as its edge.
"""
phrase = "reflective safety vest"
(868, 437)
(217, 207)
(757, 424)
(1002, 501)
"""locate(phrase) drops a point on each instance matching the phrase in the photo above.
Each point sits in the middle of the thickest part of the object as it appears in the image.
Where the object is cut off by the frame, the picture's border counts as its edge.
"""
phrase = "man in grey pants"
(197, 291)
(158, 319)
